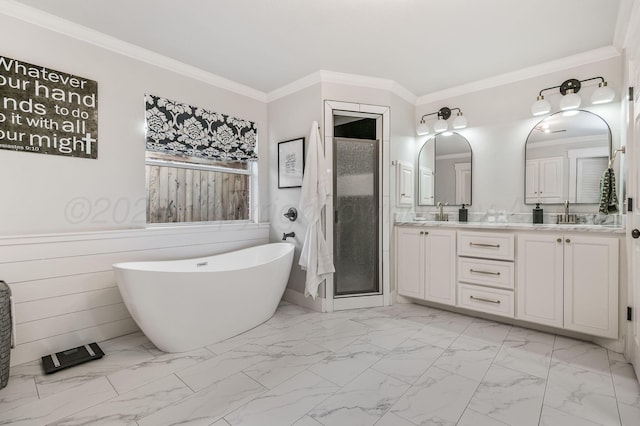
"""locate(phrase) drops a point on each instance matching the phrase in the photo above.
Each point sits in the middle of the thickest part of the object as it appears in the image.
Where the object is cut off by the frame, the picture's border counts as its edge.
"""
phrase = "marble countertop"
(612, 229)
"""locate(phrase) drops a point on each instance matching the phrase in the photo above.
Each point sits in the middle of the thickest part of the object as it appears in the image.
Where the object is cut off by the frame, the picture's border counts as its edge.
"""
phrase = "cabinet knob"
(567, 240)
(426, 233)
(421, 233)
(635, 234)
(559, 240)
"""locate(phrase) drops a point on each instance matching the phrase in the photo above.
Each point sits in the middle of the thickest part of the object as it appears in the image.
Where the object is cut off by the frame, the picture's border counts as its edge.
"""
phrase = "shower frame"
(330, 302)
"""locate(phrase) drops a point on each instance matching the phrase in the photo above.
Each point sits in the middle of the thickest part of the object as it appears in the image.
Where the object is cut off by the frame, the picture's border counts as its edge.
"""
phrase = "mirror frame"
(417, 179)
(524, 187)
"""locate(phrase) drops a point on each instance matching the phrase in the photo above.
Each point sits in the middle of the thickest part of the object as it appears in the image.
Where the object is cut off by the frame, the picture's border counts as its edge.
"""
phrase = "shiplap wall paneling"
(64, 288)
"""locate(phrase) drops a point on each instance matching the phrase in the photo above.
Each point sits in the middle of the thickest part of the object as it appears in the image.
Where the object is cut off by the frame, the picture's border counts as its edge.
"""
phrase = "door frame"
(632, 350)
(381, 113)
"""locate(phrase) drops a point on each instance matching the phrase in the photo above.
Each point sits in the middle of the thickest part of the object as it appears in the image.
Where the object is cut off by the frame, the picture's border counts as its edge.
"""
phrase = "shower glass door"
(356, 217)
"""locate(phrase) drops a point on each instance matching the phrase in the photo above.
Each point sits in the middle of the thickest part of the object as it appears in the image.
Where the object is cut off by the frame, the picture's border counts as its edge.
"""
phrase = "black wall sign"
(47, 111)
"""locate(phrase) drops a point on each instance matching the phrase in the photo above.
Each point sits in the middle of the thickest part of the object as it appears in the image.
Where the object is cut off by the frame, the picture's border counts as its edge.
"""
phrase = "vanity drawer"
(486, 272)
(488, 245)
(490, 300)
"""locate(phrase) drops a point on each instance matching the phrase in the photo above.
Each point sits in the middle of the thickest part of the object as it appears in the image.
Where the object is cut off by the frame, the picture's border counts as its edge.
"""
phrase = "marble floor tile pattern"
(404, 365)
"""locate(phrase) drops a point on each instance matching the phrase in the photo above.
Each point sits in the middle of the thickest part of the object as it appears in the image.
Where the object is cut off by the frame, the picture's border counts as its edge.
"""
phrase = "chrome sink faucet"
(441, 216)
(566, 218)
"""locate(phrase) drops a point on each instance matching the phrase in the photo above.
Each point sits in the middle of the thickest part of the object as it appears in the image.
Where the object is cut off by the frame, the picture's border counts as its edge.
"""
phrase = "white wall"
(499, 122)
(62, 281)
(290, 117)
(39, 190)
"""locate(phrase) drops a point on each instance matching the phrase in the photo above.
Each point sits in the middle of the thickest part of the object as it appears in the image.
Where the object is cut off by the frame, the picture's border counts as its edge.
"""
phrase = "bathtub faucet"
(287, 235)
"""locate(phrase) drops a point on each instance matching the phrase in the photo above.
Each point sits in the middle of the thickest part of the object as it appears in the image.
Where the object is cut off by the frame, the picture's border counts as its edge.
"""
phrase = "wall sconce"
(571, 100)
(441, 125)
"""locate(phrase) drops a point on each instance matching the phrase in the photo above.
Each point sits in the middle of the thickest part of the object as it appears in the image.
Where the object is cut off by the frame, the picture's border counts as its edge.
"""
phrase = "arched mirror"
(444, 170)
(566, 154)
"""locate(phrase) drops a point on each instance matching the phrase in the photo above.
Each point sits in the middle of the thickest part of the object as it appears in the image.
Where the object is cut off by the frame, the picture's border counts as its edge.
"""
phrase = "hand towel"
(608, 196)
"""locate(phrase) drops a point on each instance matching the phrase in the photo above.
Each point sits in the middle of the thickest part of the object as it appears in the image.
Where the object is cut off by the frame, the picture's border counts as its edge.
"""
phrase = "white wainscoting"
(64, 289)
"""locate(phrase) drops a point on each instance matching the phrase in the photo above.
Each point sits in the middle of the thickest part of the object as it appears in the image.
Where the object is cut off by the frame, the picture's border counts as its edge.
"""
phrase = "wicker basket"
(5, 333)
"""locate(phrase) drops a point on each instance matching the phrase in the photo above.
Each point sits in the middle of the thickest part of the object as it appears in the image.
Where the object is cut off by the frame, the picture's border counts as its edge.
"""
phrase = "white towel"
(315, 258)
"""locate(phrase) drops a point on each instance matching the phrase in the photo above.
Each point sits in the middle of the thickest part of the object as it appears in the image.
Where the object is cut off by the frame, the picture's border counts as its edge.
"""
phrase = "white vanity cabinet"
(426, 263)
(486, 277)
(540, 278)
(569, 281)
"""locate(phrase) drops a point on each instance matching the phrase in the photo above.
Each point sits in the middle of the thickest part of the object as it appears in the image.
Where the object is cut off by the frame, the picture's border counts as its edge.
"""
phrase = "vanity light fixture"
(602, 94)
(571, 100)
(441, 124)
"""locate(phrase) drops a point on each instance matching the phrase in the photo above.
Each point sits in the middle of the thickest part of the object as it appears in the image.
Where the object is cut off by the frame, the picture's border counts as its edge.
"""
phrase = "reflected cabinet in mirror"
(566, 154)
(444, 171)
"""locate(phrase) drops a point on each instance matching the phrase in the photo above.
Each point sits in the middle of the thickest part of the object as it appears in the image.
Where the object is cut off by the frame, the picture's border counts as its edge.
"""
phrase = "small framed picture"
(290, 163)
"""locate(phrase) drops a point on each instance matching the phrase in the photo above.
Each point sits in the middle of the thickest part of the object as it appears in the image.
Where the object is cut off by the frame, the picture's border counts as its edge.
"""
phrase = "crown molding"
(626, 37)
(404, 93)
(295, 86)
(324, 76)
(74, 30)
(622, 22)
(629, 39)
(368, 82)
(522, 74)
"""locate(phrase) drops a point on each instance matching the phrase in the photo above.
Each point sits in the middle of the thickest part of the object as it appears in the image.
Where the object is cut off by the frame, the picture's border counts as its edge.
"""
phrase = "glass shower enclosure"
(356, 216)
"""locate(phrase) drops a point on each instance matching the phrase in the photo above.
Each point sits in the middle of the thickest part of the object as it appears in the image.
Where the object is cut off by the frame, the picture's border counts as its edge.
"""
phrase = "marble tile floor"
(404, 365)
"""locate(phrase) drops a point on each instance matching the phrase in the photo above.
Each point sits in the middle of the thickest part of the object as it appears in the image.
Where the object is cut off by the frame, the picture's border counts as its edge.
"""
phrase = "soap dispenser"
(537, 214)
(462, 214)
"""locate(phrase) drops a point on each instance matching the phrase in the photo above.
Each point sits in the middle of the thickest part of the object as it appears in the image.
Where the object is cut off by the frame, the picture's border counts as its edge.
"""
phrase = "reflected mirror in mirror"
(444, 170)
(565, 157)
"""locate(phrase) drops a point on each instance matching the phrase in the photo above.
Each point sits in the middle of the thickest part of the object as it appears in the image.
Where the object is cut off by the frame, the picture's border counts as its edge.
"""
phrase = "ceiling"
(423, 45)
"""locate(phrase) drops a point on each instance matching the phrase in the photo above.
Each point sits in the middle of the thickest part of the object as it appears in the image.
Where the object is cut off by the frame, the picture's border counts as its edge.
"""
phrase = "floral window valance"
(180, 129)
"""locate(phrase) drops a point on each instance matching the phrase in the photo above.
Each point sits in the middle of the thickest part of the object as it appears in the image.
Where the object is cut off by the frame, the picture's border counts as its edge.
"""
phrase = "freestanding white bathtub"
(181, 305)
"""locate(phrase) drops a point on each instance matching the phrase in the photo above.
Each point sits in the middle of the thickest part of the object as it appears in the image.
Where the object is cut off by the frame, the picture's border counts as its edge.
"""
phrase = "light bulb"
(460, 122)
(602, 94)
(570, 101)
(541, 106)
(440, 126)
(422, 128)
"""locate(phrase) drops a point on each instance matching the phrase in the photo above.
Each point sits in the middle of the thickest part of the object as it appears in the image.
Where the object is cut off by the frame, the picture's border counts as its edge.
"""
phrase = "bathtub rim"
(133, 266)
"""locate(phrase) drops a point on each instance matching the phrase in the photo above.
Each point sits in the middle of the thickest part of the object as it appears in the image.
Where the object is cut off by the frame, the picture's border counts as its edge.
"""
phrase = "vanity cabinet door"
(426, 264)
(440, 268)
(540, 279)
(410, 260)
(591, 285)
